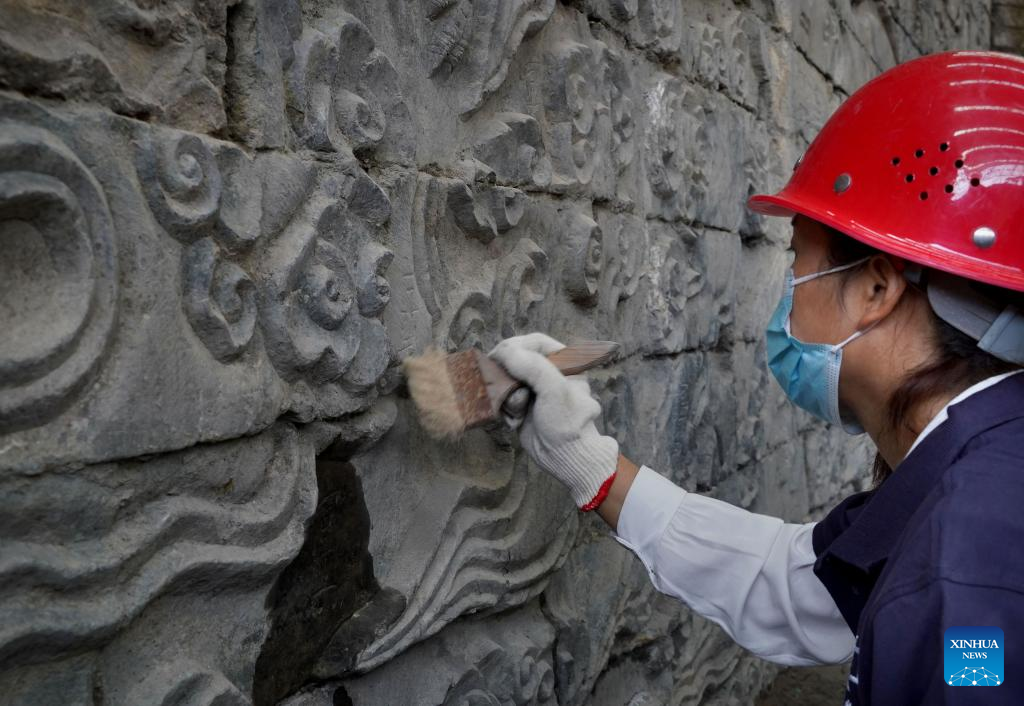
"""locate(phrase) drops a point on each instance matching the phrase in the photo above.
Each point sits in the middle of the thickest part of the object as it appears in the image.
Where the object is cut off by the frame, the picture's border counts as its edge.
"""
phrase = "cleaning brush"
(459, 391)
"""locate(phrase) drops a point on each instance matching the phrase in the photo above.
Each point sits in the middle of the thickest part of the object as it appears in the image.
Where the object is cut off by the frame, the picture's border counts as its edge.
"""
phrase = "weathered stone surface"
(179, 316)
(223, 224)
(162, 61)
(145, 580)
(1007, 25)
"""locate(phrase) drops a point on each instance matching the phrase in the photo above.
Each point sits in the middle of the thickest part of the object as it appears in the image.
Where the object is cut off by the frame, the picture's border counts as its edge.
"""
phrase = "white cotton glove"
(558, 430)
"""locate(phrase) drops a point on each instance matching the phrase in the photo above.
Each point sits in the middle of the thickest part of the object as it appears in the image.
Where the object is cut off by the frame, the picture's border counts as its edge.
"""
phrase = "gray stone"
(504, 660)
(147, 580)
(225, 223)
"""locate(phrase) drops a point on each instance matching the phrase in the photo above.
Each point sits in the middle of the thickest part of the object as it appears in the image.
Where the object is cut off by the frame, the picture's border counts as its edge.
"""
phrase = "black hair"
(958, 362)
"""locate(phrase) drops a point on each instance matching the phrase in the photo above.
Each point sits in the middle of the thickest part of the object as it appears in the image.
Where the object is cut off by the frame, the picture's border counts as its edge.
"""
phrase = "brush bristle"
(432, 391)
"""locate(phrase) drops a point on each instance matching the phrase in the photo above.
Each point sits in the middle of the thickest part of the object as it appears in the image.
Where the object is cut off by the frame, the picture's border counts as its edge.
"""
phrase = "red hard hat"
(926, 161)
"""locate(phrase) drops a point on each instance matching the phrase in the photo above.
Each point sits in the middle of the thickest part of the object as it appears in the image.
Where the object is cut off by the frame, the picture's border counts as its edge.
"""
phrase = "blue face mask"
(808, 372)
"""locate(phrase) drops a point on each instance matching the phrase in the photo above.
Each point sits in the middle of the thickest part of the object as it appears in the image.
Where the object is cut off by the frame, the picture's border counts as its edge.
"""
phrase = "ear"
(877, 289)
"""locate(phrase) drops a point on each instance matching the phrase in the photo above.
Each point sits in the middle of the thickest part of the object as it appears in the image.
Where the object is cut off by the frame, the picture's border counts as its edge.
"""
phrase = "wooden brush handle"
(573, 359)
(577, 357)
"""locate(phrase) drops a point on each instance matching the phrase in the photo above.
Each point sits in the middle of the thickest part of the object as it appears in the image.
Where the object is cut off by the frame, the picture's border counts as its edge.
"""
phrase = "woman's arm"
(611, 507)
(752, 574)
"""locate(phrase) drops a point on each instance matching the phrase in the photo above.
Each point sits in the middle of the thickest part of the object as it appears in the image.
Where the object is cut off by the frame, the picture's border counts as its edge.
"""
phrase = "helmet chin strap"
(998, 330)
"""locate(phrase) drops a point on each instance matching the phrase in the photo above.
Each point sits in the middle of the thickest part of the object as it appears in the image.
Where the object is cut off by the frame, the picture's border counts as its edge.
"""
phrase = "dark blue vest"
(940, 543)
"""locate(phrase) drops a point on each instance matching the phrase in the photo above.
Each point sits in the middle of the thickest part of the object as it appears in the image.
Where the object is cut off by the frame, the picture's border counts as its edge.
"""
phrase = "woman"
(908, 234)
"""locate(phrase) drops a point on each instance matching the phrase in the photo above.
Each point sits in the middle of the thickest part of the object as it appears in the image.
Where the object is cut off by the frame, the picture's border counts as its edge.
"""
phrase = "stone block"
(224, 224)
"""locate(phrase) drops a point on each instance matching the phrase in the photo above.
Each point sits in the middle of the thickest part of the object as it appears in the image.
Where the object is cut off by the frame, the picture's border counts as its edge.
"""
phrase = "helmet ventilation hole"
(949, 188)
(959, 164)
(919, 153)
(924, 195)
(909, 178)
(895, 161)
(944, 147)
(975, 181)
(933, 171)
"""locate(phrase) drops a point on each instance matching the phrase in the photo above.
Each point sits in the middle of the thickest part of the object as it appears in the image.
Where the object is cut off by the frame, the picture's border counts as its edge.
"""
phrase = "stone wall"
(1008, 25)
(225, 222)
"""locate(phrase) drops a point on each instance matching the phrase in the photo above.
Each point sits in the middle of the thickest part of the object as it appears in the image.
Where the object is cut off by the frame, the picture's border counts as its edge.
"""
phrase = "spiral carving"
(585, 259)
(518, 287)
(344, 92)
(574, 104)
(374, 289)
(315, 64)
(309, 324)
(472, 44)
(182, 182)
(472, 324)
(58, 276)
(220, 301)
(621, 109)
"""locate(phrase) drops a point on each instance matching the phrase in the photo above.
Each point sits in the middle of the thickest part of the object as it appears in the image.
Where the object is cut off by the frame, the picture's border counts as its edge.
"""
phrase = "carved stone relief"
(1007, 32)
(498, 291)
(344, 93)
(695, 284)
(584, 601)
(621, 106)
(60, 281)
(150, 576)
(589, 112)
(652, 25)
(480, 207)
(224, 223)
(491, 553)
(512, 145)
(574, 112)
(506, 660)
(584, 259)
(671, 146)
(297, 306)
(220, 301)
(472, 43)
(163, 61)
(324, 287)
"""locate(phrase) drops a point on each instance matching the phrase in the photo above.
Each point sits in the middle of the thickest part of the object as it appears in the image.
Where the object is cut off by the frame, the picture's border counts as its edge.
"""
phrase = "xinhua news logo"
(974, 656)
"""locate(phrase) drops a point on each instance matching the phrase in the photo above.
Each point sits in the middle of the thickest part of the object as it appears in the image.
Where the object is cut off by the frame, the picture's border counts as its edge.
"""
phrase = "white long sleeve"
(752, 574)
